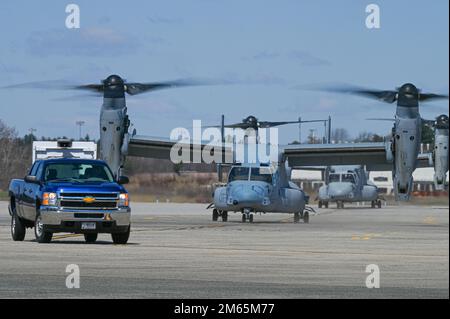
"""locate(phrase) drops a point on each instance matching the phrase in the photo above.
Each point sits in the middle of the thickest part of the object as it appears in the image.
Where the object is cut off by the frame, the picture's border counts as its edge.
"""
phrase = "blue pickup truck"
(70, 195)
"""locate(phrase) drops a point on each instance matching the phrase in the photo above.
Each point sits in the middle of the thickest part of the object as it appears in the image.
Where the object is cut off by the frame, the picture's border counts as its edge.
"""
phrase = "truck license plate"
(88, 226)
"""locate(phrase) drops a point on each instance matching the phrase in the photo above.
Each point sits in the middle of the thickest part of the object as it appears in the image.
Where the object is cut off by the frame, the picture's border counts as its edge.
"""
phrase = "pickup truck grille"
(78, 204)
(76, 200)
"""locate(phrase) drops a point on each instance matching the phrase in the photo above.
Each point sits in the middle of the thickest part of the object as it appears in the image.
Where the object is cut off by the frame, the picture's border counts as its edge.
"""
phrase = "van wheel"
(42, 236)
(90, 238)
(17, 228)
(121, 238)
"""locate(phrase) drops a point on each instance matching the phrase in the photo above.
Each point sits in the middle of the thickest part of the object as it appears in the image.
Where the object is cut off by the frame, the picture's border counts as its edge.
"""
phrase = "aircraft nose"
(246, 196)
(340, 190)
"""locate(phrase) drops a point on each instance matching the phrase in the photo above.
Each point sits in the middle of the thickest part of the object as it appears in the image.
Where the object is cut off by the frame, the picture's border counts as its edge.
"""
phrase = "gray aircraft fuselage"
(406, 139)
(250, 192)
(346, 184)
(440, 152)
(113, 124)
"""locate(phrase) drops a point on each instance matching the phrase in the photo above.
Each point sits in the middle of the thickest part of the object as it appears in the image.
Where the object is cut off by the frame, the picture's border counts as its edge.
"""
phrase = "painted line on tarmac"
(67, 236)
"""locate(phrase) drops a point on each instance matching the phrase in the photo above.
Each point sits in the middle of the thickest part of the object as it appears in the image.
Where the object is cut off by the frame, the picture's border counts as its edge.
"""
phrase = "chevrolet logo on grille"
(89, 199)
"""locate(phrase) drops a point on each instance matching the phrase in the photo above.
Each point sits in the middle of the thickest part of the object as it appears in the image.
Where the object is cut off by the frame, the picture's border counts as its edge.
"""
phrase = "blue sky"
(274, 45)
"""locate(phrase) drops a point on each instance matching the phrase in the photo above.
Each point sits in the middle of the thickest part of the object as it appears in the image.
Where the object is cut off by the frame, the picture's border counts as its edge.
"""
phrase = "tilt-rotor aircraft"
(406, 134)
(346, 184)
(258, 187)
(399, 155)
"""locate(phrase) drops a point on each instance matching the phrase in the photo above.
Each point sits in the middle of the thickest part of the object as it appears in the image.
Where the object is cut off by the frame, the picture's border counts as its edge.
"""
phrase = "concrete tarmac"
(176, 251)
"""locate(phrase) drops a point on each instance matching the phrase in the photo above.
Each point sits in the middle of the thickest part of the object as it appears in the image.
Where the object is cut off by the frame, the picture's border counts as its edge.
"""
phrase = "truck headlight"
(266, 201)
(123, 200)
(49, 199)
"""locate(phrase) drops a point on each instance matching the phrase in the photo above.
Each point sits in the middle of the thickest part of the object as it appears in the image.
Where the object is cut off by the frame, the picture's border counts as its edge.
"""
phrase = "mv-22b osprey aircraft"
(347, 183)
(351, 183)
(404, 146)
(400, 155)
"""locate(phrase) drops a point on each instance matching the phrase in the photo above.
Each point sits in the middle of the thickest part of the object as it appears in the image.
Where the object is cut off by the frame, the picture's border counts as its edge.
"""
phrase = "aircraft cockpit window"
(334, 178)
(350, 178)
(262, 174)
(238, 174)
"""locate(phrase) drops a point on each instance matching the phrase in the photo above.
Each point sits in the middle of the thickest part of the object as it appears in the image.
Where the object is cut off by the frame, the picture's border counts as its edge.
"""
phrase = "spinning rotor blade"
(431, 96)
(139, 88)
(116, 83)
(385, 96)
(273, 124)
(46, 85)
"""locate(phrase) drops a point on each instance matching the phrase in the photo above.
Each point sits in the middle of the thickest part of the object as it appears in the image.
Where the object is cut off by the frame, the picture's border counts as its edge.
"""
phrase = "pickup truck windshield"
(74, 172)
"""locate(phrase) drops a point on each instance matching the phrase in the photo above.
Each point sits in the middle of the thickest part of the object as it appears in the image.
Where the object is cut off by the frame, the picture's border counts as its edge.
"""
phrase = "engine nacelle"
(440, 158)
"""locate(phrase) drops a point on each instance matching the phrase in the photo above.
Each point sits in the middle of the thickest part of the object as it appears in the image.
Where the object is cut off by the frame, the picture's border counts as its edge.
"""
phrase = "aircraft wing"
(375, 156)
(160, 148)
(301, 155)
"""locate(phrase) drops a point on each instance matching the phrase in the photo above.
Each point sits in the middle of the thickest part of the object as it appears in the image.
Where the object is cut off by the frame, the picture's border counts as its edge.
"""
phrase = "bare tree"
(15, 155)
(340, 135)
(369, 137)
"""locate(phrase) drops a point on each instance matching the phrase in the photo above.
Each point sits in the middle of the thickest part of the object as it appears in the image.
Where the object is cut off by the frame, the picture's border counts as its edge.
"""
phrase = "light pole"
(327, 128)
(80, 124)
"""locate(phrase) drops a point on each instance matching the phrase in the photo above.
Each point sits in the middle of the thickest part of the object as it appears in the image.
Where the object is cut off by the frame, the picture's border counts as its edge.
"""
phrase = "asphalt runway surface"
(176, 251)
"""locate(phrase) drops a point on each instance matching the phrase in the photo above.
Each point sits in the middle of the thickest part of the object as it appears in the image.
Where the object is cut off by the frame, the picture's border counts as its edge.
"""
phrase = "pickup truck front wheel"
(17, 228)
(42, 236)
(121, 238)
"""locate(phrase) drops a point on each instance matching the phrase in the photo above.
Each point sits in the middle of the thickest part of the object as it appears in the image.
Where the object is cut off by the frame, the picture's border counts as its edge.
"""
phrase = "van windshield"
(75, 172)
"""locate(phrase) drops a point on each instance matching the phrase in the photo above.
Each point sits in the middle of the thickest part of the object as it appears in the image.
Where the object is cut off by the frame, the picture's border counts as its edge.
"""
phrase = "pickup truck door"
(29, 195)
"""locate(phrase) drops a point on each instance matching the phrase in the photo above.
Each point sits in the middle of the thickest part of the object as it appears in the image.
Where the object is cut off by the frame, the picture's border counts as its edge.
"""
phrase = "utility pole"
(329, 129)
(219, 165)
(300, 130)
(80, 124)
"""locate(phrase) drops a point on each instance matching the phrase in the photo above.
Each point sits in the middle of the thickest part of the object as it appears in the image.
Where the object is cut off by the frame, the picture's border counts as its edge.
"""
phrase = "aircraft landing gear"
(224, 216)
(323, 204)
(219, 213)
(340, 205)
(376, 203)
(215, 215)
(306, 217)
(301, 215)
(247, 215)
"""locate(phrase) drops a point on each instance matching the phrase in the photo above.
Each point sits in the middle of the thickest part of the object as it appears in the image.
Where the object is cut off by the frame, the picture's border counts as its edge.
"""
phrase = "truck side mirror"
(30, 179)
(123, 180)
